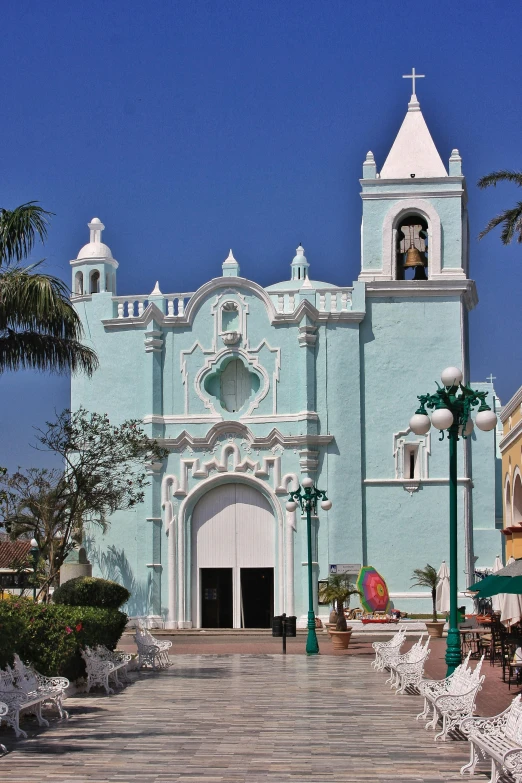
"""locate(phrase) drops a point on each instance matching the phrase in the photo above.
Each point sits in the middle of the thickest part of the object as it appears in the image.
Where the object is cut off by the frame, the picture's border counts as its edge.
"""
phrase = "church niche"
(233, 385)
(412, 248)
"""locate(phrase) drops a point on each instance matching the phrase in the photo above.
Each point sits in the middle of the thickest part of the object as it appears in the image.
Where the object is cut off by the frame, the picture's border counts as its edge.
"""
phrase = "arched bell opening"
(517, 501)
(78, 283)
(412, 248)
(95, 282)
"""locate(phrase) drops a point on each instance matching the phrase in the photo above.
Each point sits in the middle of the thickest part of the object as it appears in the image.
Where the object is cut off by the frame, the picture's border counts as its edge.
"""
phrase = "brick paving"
(241, 719)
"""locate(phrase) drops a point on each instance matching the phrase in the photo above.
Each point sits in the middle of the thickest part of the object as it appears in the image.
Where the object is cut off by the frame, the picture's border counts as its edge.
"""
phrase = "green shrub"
(90, 591)
(51, 637)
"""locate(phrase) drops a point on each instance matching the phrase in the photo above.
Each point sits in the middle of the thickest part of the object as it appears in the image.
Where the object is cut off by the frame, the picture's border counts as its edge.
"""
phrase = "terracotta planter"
(435, 629)
(340, 639)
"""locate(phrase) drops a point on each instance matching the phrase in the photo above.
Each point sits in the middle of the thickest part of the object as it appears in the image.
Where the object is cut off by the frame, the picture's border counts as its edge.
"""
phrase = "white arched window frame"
(507, 502)
(411, 454)
(395, 215)
(78, 283)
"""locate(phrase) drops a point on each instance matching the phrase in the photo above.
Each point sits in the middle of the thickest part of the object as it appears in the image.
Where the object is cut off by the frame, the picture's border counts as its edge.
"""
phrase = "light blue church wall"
(251, 389)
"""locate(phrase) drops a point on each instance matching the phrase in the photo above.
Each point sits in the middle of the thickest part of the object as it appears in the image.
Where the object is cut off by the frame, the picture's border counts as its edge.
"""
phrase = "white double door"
(232, 527)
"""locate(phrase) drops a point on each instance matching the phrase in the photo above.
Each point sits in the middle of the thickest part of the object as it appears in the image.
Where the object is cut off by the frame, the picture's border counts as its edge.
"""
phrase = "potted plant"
(428, 577)
(337, 591)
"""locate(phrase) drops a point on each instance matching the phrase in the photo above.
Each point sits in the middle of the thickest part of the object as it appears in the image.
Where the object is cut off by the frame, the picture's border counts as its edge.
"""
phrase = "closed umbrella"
(496, 600)
(510, 604)
(442, 595)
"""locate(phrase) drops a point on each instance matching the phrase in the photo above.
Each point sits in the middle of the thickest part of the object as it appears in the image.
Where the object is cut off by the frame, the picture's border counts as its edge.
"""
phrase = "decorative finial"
(369, 157)
(96, 227)
(413, 105)
(230, 258)
(156, 289)
(230, 266)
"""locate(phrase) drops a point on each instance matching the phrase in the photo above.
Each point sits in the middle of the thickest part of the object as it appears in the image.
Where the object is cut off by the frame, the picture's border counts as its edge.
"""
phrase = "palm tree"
(427, 577)
(511, 218)
(337, 590)
(39, 328)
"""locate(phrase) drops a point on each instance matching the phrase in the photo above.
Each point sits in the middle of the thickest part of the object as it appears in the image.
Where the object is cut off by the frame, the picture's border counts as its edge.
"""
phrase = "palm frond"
(32, 350)
(37, 302)
(500, 176)
(425, 577)
(512, 220)
(19, 230)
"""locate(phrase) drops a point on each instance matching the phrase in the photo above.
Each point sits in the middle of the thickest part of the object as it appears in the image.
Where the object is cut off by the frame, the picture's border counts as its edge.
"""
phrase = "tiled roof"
(13, 551)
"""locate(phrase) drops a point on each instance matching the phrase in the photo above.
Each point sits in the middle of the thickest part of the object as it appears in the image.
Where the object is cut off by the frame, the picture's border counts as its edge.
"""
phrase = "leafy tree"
(338, 590)
(104, 472)
(39, 327)
(427, 577)
(511, 219)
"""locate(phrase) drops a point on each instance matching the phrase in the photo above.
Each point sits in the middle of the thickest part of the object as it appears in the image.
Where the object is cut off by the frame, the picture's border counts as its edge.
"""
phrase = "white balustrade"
(322, 302)
(120, 309)
(170, 307)
(333, 302)
(281, 303)
(291, 303)
(130, 309)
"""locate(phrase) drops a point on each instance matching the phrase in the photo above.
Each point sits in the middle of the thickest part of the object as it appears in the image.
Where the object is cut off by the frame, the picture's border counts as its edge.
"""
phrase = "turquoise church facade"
(250, 389)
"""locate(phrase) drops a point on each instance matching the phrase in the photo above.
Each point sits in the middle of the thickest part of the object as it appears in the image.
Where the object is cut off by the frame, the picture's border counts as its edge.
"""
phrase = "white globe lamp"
(486, 420)
(326, 505)
(451, 376)
(442, 418)
(420, 423)
(291, 506)
(307, 482)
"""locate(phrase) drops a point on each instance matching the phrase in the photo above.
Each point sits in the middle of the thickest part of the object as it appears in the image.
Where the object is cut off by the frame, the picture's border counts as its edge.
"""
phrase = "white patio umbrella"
(442, 596)
(510, 605)
(496, 600)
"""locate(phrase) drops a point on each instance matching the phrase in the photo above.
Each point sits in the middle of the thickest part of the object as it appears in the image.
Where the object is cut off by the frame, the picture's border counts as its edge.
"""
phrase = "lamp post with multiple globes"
(452, 405)
(307, 497)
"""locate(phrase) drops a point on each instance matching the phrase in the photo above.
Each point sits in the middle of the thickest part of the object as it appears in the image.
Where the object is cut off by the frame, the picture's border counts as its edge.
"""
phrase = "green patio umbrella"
(507, 580)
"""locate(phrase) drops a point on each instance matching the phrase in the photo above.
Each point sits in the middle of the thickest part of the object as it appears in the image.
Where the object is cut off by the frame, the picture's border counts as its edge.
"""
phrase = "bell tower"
(94, 269)
(415, 222)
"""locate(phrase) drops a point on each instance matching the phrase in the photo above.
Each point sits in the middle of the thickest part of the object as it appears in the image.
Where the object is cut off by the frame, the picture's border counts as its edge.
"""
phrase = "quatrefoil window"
(232, 384)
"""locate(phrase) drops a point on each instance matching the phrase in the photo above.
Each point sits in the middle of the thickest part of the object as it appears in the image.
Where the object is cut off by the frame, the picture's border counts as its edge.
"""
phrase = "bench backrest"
(7, 679)
(398, 639)
(513, 726)
(418, 651)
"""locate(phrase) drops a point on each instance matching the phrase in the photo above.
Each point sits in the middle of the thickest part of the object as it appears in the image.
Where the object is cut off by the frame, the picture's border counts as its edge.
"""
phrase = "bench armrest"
(513, 761)
(482, 725)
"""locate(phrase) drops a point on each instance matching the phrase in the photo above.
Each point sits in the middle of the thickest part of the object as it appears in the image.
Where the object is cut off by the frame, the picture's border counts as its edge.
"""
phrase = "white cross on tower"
(413, 76)
(491, 378)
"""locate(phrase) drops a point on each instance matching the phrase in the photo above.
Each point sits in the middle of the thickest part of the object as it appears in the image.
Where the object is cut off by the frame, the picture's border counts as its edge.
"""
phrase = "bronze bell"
(414, 258)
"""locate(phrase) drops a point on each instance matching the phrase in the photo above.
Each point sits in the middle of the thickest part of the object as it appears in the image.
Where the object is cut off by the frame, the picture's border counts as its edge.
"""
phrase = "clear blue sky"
(192, 127)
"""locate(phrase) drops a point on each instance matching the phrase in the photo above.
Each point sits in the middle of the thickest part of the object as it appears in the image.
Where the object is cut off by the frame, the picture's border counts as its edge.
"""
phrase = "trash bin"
(277, 625)
(291, 627)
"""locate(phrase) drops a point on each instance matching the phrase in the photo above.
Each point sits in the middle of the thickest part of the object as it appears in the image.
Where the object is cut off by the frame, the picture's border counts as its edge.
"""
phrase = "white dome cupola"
(94, 269)
(300, 265)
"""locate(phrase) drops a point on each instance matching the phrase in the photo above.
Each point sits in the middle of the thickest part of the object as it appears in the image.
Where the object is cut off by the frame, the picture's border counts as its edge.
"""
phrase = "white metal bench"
(3, 711)
(387, 650)
(451, 699)
(151, 651)
(407, 670)
(18, 702)
(30, 681)
(121, 661)
(100, 668)
(498, 738)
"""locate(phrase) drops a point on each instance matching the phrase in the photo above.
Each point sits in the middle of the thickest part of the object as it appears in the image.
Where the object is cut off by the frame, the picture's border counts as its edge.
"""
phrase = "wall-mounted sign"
(345, 568)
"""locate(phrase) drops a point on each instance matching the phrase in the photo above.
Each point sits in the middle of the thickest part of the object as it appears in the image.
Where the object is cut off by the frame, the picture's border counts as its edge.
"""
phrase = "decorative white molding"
(421, 442)
(511, 405)
(401, 482)
(411, 487)
(211, 365)
(422, 288)
(153, 341)
(307, 336)
(308, 460)
(511, 437)
(230, 429)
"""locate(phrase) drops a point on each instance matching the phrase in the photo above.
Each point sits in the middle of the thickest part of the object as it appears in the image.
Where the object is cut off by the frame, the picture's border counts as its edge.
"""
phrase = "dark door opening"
(257, 593)
(216, 598)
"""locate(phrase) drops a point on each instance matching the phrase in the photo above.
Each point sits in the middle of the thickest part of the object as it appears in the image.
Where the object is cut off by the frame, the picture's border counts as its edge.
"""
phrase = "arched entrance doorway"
(233, 558)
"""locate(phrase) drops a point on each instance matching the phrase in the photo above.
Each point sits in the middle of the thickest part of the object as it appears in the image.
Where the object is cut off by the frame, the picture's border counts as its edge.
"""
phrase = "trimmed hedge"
(90, 591)
(50, 637)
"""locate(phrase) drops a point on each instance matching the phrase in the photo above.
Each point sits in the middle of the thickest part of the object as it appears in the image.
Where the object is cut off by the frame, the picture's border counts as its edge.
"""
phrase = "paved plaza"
(240, 719)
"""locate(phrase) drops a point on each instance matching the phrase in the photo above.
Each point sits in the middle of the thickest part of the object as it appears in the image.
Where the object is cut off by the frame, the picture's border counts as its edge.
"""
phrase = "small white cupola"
(94, 269)
(300, 265)
(230, 266)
